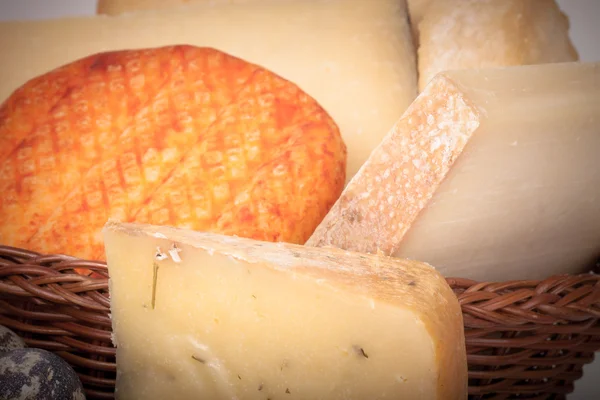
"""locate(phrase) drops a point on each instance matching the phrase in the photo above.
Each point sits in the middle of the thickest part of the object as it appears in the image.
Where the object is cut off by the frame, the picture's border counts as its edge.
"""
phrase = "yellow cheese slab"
(490, 174)
(355, 57)
(204, 316)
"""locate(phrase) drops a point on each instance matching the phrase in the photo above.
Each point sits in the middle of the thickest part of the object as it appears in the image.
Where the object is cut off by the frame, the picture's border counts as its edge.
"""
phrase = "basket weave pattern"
(525, 339)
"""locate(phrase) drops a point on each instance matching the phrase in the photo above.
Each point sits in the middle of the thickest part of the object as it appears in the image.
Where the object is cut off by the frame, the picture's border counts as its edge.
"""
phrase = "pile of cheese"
(234, 318)
(486, 173)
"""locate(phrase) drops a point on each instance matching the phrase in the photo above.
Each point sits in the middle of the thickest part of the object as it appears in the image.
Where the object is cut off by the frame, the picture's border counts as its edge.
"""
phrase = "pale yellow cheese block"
(355, 57)
(233, 318)
(467, 34)
(490, 174)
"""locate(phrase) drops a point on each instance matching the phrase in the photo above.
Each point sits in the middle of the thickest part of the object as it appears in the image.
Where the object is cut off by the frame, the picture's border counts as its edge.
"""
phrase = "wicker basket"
(525, 339)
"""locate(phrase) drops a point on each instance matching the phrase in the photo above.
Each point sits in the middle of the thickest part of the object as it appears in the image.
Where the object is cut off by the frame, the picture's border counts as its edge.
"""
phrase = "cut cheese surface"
(355, 57)
(491, 174)
(200, 315)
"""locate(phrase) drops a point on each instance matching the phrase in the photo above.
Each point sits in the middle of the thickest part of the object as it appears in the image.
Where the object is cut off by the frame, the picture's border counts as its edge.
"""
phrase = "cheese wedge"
(355, 57)
(490, 174)
(200, 315)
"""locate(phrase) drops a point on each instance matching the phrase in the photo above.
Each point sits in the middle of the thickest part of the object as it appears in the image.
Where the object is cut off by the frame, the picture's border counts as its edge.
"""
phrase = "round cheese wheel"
(180, 135)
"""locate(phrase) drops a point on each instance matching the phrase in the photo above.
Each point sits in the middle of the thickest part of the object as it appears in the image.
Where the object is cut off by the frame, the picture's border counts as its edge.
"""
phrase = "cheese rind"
(382, 201)
(176, 135)
(521, 199)
(237, 318)
(355, 57)
(469, 34)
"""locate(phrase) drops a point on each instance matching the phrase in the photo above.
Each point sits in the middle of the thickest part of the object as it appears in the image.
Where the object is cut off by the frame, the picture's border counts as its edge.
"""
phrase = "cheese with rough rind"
(176, 135)
(468, 34)
(201, 315)
(355, 57)
(490, 174)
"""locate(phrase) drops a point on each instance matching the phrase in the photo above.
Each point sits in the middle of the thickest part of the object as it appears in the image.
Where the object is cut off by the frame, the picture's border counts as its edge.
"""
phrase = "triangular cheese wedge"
(200, 315)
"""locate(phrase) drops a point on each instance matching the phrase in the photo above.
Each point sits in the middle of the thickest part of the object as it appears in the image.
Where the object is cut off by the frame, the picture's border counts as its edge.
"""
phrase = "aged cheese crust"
(377, 282)
(387, 194)
(28, 107)
(468, 34)
(177, 135)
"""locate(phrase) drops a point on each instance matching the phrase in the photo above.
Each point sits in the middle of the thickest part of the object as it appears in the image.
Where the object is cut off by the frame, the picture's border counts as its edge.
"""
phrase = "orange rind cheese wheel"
(180, 135)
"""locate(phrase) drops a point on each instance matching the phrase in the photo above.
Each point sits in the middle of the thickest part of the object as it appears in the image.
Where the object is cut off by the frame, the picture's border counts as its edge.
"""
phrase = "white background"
(584, 16)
